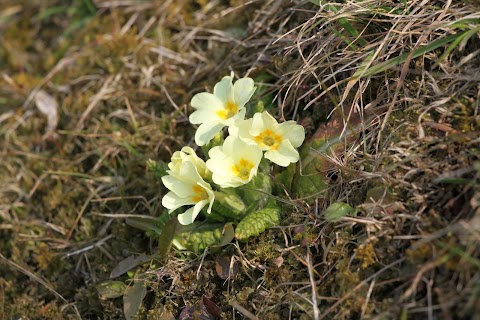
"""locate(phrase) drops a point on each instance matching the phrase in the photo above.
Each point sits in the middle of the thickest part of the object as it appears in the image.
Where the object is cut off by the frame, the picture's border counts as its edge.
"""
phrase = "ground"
(93, 92)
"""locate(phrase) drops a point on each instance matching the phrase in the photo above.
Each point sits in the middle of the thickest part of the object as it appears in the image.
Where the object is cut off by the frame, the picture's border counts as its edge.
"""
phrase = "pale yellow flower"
(278, 140)
(187, 187)
(215, 111)
(188, 154)
(234, 163)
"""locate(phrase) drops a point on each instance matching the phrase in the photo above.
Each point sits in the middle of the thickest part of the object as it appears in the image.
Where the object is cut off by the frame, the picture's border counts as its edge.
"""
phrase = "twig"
(242, 310)
(316, 311)
(89, 247)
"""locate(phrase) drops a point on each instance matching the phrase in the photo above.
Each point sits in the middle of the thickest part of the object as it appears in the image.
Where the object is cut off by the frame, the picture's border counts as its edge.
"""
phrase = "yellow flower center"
(268, 138)
(242, 169)
(230, 110)
(200, 194)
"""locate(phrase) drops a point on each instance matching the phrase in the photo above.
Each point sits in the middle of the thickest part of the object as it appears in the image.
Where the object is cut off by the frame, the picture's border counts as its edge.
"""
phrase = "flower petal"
(228, 147)
(201, 116)
(220, 167)
(261, 122)
(285, 154)
(206, 101)
(239, 116)
(172, 201)
(241, 149)
(224, 89)
(226, 161)
(207, 131)
(293, 132)
(187, 154)
(241, 129)
(180, 187)
(188, 172)
(227, 181)
(216, 153)
(243, 90)
(211, 198)
(189, 216)
(186, 218)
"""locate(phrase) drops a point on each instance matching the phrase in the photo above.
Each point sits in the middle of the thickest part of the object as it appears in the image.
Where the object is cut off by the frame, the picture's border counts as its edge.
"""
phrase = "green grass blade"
(463, 38)
(345, 25)
(351, 29)
(389, 64)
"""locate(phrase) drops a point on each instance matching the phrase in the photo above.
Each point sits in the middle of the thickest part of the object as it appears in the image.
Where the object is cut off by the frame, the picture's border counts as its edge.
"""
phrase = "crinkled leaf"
(110, 289)
(258, 221)
(228, 206)
(199, 236)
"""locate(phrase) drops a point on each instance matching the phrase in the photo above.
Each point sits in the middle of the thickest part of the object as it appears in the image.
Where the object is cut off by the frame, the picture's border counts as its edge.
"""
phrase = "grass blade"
(389, 64)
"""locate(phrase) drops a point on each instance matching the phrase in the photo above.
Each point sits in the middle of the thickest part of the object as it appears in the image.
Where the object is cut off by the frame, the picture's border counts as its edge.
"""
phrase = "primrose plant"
(232, 186)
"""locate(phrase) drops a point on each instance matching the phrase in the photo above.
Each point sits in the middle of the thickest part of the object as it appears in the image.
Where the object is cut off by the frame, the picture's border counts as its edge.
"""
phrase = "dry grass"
(388, 93)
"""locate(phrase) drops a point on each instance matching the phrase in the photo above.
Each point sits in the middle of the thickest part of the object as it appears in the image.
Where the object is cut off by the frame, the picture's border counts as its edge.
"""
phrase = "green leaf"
(256, 192)
(48, 12)
(309, 181)
(258, 221)
(285, 179)
(129, 148)
(228, 233)
(110, 289)
(166, 237)
(197, 236)
(149, 224)
(127, 264)
(337, 211)
(132, 299)
(345, 24)
(228, 206)
(461, 39)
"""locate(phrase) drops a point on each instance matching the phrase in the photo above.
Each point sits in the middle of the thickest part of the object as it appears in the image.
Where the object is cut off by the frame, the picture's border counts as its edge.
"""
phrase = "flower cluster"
(236, 162)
